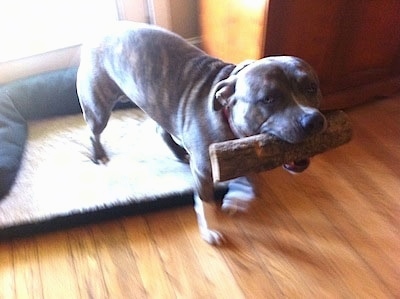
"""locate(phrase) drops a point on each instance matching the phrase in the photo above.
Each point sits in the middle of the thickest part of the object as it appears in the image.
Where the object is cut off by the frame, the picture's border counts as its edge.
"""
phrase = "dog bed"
(48, 180)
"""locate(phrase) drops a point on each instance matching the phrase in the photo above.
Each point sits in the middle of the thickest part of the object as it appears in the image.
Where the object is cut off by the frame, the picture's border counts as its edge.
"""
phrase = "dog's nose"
(312, 123)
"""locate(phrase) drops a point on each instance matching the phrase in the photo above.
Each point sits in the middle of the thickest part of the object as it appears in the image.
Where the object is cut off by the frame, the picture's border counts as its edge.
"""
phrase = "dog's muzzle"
(311, 123)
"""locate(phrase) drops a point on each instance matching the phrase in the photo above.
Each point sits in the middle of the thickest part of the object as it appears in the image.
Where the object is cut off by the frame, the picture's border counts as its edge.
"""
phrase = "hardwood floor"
(331, 232)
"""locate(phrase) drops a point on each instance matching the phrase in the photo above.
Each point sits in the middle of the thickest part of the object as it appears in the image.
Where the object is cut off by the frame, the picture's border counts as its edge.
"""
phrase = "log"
(238, 157)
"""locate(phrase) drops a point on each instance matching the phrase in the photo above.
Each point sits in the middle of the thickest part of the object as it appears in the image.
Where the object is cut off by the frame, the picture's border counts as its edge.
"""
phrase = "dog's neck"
(227, 117)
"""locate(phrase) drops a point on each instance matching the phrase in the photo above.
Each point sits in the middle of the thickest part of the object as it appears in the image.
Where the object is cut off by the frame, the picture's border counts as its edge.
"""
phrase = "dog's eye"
(267, 100)
(312, 88)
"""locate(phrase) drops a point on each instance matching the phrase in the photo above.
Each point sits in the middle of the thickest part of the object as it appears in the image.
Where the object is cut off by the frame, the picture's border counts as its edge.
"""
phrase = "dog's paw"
(239, 196)
(99, 154)
(235, 206)
(230, 208)
(213, 237)
(101, 160)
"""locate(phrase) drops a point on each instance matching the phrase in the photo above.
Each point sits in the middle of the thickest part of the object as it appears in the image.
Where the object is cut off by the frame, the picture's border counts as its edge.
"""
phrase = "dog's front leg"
(203, 209)
(239, 196)
(204, 202)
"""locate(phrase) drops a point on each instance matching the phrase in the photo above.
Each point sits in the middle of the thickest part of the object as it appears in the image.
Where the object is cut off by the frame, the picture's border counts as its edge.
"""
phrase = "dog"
(197, 100)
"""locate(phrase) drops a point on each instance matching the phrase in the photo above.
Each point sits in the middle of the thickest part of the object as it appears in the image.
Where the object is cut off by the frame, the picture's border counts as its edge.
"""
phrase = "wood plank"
(220, 280)
(27, 269)
(7, 282)
(387, 153)
(370, 234)
(287, 247)
(335, 257)
(381, 198)
(381, 134)
(252, 275)
(150, 266)
(180, 262)
(57, 270)
(118, 264)
(87, 263)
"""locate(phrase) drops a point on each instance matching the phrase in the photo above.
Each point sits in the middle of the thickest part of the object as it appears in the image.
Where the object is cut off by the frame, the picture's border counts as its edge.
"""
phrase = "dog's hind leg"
(96, 121)
(99, 154)
(97, 101)
(176, 149)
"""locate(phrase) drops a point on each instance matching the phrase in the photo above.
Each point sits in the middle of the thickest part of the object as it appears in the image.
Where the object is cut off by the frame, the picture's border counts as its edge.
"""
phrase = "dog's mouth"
(297, 166)
(294, 166)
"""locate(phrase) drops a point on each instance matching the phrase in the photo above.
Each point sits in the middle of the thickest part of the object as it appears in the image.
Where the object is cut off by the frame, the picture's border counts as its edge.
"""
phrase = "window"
(29, 27)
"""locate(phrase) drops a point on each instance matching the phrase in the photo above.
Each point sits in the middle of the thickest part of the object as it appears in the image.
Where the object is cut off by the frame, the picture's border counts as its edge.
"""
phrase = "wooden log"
(238, 157)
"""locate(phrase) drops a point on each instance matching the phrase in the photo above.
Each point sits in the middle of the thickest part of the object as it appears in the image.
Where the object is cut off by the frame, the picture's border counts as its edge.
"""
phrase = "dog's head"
(275, 95)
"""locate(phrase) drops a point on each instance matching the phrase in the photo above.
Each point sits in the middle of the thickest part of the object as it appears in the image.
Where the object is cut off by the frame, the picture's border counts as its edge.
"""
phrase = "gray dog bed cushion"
(13, 134)
(35, 97)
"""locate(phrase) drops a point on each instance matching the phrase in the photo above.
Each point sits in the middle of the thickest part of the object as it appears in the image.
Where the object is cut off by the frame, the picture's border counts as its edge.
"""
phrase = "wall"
(179, 16)
(184, 15)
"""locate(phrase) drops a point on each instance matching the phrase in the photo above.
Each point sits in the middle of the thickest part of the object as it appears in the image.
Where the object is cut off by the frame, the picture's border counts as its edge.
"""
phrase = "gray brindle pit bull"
(197, 99)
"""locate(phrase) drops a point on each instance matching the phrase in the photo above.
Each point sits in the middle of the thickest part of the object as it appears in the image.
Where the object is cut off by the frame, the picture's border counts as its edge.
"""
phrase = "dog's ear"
(241, 66)
(223, 91)
(226, 88)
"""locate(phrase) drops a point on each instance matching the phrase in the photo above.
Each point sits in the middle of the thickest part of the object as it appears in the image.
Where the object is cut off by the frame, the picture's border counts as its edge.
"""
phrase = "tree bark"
(238, 157)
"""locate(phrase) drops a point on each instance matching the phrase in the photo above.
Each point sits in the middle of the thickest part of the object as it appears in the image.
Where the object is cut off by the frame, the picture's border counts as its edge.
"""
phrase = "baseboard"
(361, 94)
